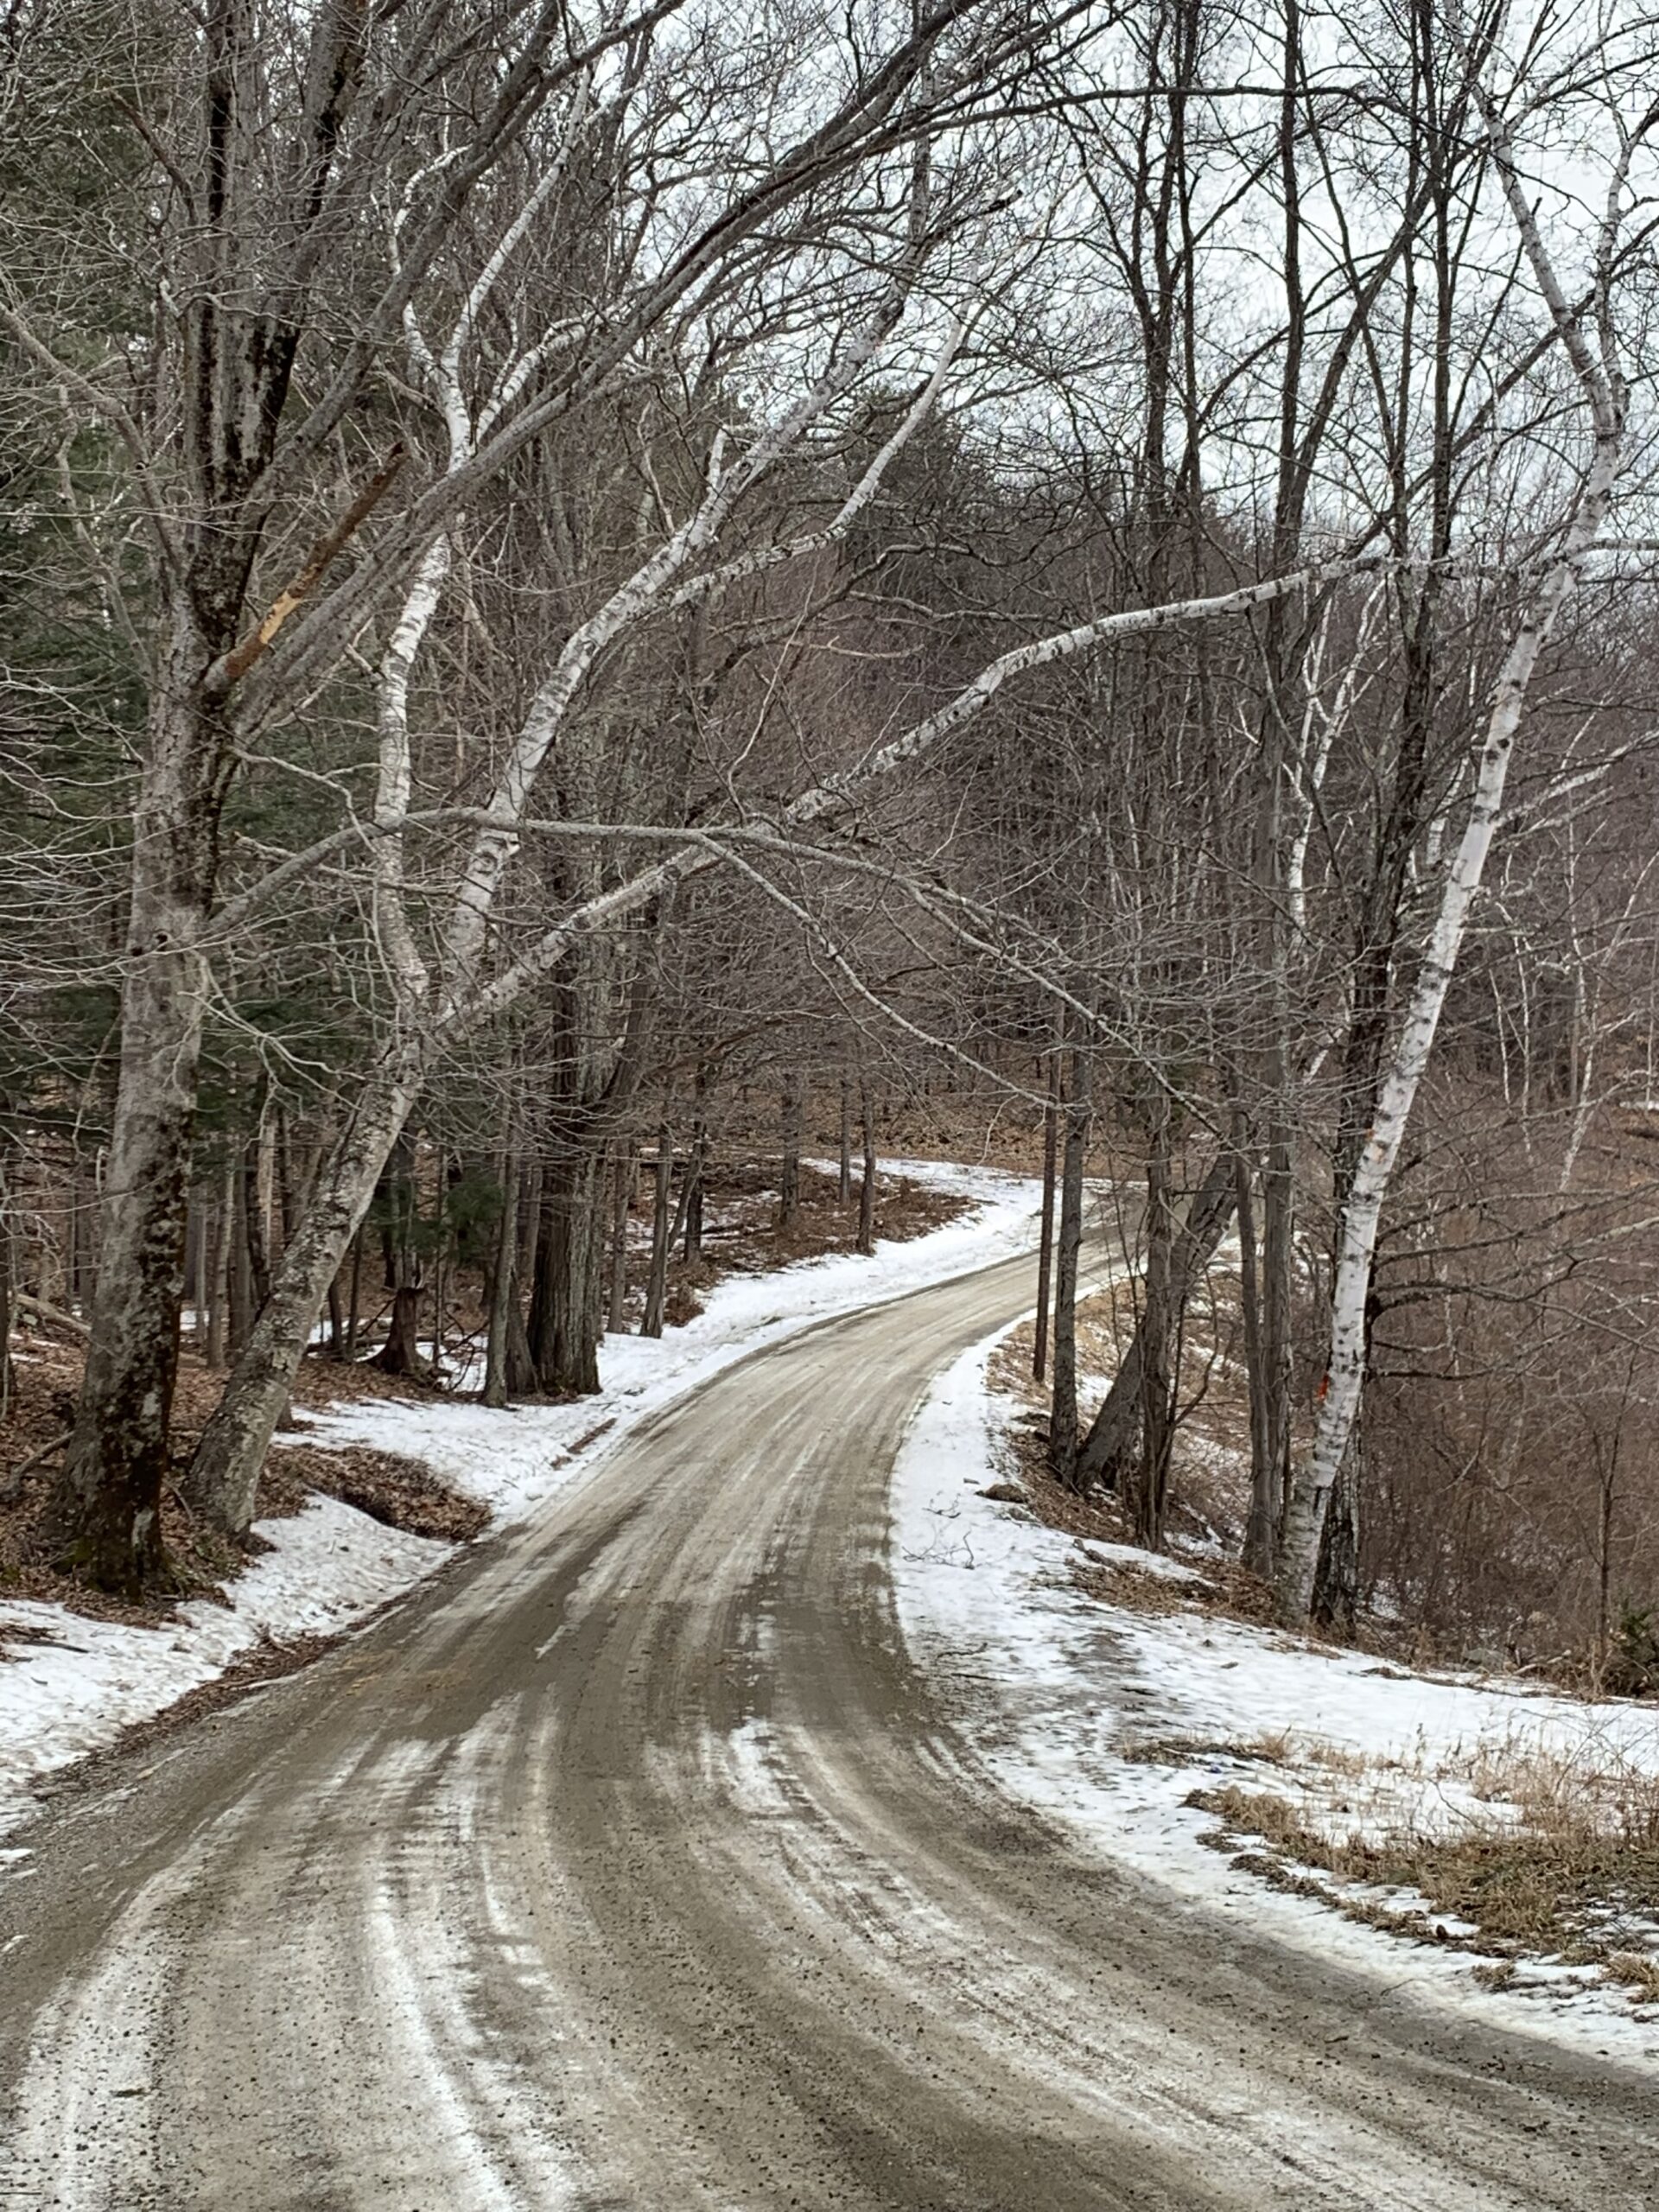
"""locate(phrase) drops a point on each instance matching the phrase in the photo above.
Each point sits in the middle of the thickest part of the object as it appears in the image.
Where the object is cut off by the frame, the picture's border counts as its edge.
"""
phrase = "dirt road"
(629, 1866)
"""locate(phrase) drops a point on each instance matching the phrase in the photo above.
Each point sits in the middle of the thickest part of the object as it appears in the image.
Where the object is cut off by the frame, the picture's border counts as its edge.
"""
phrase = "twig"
(14, 1489)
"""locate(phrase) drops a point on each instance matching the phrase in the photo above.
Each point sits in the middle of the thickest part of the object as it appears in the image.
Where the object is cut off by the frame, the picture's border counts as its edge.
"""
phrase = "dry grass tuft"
(1638, 1971)
(1566, 1864)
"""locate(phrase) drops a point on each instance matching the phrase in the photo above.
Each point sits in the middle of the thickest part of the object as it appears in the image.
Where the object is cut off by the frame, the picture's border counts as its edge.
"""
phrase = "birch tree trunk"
(1602, 382)
(1336, 1599)
(1335, 1602)
(1345, 1363)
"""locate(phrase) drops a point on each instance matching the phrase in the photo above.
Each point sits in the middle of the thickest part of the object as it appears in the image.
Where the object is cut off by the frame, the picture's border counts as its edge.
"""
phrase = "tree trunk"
(241, 1310)
(866, 1240)
(681, 1214)
(692, 1197)
(1266, 1493)
(195, 1266)
(1063, 1404)
(651, 1323)
(224, 1475)
(401, 1354)
(219, 1272)
(1336, 1581)
(621, 1196)
(283, 1176)
(1270, 1423)
(88, 1199)
(448, 1169)
(1046, 1241)
(1363, 1204)
(1336, 1591)
(789, 1181)
(844, 1181)
(1114, 1438)
(256, 1214)
(565, 1307)
(354, 1308)
(1157, 1333)
(106, 1511)
(501, 1282)
(523, 1381)
(8, 1264)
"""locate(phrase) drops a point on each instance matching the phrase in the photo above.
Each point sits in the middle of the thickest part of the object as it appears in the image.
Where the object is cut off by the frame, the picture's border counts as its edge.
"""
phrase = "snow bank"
(985, 1596)
(72, 1690)
(68, 1685)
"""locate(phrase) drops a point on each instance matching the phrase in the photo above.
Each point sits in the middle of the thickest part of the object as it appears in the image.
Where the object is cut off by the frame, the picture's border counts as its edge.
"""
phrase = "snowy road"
(629, 1866)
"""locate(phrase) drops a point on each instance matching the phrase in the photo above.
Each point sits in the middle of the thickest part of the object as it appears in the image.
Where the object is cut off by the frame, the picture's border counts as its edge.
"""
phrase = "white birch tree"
(1597, 368)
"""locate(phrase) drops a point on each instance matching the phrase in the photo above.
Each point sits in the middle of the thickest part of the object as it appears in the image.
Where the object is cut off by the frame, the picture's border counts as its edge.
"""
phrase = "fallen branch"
(41, 1309)
(14, 1489)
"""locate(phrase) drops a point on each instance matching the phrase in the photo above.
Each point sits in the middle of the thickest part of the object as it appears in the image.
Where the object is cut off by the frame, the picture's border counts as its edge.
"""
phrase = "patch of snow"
(69, 1685)
(746, 1760)
(1099, 1552)
(987, 1599)
(515, 1460)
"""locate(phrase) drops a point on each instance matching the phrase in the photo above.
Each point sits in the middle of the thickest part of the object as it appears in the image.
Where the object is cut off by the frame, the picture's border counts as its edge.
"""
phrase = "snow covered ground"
(68, 1685)
(986, 1596)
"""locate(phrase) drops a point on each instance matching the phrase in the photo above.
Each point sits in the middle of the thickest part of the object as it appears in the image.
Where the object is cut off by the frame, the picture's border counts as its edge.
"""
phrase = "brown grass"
(1563, 1870)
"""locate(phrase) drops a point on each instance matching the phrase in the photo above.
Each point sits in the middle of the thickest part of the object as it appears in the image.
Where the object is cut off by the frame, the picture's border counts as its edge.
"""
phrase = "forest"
(599, 592)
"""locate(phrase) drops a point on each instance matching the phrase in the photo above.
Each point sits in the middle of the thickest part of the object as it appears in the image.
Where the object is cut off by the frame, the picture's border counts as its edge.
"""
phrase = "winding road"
(629, 1865)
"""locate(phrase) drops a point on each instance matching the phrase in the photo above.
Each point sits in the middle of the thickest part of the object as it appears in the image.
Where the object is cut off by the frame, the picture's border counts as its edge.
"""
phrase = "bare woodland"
(579, 579)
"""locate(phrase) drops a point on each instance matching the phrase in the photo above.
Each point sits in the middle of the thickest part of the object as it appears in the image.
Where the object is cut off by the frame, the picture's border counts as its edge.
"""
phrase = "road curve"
(631, 1865)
